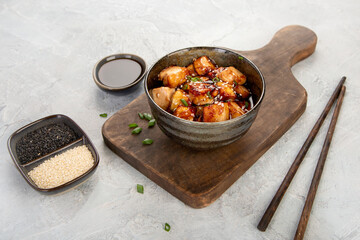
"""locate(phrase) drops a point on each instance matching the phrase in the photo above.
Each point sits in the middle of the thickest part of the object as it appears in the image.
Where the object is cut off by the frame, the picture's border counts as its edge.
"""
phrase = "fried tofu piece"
(226, 91)
(187, 113)
(176, 99)
(242, 91)
(200, 87)
(191, 70)
(200, 93)
(203, 65)
(231, 75)
(173, 76)
(214, 93)
(202, 99)
(162, 96)
(235, 110)
(216, 112)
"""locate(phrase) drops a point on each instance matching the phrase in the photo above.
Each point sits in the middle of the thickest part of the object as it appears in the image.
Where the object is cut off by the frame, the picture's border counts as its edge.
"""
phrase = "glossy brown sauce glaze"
(203, 92)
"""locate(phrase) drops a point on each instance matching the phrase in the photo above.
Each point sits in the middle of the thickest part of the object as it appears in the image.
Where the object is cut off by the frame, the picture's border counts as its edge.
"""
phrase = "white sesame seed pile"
(62, 168)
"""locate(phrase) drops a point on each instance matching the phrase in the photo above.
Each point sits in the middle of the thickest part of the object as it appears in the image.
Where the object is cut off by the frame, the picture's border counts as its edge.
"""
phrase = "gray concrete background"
(48, 50)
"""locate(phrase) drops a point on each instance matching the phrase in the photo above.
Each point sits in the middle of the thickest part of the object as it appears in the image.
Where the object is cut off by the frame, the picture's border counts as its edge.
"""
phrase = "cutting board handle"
(289, 45)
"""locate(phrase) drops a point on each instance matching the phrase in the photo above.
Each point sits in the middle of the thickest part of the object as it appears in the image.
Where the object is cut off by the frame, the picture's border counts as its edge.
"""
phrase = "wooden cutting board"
(199, 178)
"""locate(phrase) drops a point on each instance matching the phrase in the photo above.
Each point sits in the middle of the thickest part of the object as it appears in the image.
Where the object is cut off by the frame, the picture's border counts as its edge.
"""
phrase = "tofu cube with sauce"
(216, 112)
(200, 93)
(203, 65)
(176, 100)
(242, 91)
(231, 75)
(202, 99)
(162, 96)
(226, 91)
(235, 110)
(187, 113)
(173, 76)
(191, 70)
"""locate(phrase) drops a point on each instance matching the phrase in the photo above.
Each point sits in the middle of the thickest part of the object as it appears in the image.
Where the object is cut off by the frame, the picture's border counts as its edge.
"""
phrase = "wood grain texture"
(199, 178)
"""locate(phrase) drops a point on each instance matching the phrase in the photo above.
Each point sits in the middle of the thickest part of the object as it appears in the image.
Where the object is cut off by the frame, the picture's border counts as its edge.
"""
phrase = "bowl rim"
(173, 117)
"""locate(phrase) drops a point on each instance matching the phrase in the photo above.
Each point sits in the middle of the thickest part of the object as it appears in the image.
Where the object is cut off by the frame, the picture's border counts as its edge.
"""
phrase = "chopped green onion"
(147, 116)
(141, 115)
(147, 141)
(140, 188)
(209, 95)
(184, 102)
(133, 125)
(104, 115)
(235, 83)
(152, 123)
(185, 87)
(137, 130)
(167, 227)
(241, 58)
(193, 79)
(216, 79)
(246, 104)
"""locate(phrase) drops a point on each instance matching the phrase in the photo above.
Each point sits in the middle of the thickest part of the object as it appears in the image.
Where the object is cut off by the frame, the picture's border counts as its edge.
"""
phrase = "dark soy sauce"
(119, 72)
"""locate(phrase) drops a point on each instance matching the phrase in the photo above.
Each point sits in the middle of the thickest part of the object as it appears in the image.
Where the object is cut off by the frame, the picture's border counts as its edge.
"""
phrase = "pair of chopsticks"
(269, 213)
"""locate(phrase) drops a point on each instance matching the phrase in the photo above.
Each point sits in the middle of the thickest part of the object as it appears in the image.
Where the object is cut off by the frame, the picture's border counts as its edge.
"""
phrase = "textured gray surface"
(48, 50)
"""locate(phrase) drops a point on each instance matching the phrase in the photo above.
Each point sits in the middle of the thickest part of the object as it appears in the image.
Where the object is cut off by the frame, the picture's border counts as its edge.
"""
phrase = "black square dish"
(80, 139)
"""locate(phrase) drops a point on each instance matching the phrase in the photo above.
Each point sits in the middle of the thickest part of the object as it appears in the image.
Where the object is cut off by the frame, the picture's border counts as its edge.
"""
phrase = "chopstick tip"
(261, 228)
(343, 78)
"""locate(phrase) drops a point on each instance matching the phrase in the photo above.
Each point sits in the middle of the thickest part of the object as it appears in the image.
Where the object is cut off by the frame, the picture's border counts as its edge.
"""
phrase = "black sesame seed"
(43, 141)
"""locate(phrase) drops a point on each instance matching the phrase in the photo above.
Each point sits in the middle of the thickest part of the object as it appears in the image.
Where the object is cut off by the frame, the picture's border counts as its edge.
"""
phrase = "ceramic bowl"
(205, 135)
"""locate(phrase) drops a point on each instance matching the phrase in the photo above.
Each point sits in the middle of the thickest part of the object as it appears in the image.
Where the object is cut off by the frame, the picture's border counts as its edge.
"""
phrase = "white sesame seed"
(62, 168)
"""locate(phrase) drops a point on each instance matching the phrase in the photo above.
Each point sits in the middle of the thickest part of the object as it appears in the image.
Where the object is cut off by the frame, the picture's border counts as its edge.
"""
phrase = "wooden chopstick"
(318, 171)
(269, 213)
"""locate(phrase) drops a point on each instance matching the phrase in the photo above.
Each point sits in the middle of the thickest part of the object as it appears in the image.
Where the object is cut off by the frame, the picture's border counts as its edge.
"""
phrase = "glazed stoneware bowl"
(205, 135)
